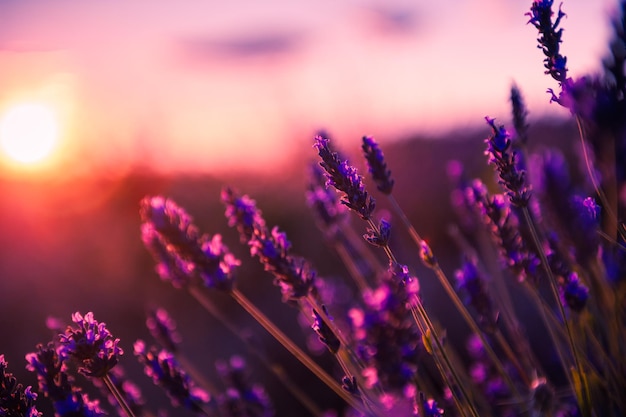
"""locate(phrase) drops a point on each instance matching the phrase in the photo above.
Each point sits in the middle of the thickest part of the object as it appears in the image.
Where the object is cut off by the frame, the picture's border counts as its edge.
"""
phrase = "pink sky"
(208, 85)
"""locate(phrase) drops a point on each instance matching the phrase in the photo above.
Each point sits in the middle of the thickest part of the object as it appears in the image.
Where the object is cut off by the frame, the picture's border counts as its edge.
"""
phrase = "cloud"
(251, 45)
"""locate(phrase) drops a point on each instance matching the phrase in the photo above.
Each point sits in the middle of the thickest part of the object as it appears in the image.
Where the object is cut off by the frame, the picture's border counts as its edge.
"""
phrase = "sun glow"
(29, 133)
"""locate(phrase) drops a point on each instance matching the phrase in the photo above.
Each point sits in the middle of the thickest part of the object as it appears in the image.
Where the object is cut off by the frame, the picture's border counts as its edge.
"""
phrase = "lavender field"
(481, 273)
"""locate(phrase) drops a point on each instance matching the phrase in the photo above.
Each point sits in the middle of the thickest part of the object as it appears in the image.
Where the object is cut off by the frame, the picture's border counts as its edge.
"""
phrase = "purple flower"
(325, 333)
(169, 265)
(68, 400)
(389, 342)
(91, 345)
(427, 255)
(180, 250)
(241, 398)
(550, 37)
(241, 211)
(15, 400)
(345, 178)
(165, 372)
(469, 280)
(328, 212)
(376, 165)
(292, 274)
(379, 237)
(520, 114)
(504, 224)
(511, 178)
(431, 409)
(574, 293)
(163, 329)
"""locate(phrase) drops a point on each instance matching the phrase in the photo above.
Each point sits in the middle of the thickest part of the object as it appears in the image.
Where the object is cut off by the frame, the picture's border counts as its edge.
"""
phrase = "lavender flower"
(15, 400)
(574, 293)
(325, 333)
(329, 213)
(504, 224)
(241, 398)
(241, 211)
(426, 254)
(431, 409)
(165, 372)
(520, 114)
(68, 400)
(550, 37)
(389, 343)
(292, 274)
(91, 344)
(380, 236)
(180, 249)
(169, 266)
(377, 166)
(345, 178)
(469, 280)
(163, 329)
(498, 145)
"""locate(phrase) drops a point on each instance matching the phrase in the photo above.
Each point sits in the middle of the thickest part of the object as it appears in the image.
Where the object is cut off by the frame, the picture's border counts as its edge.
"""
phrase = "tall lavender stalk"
(384, 182)
(513, 181)
(185, 257)
(345, 178)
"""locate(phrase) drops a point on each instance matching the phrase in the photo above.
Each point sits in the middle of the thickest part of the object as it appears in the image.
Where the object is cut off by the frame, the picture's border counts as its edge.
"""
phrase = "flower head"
(241, 398)
(90, 344)
(163, 328)
(346, 179)
(325, 333)
(180, 250)
(500, 155)
(15, 400)
(241, 212)
(380, 235)
(165, 372)
(294, 275)
(574, 293)
(68, 400)
(376, 165)
(549, 37)
(470, 280)
(329, 213)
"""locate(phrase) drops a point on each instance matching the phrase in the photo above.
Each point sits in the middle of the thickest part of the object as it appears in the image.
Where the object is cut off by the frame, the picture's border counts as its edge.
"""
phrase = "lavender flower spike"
(163, 328)
(376, 165)
(345, 178)
(500, 155)
(15, 400)
(162, 367)
(550, 37)
(57, 385)
(91, 345)
(179, 248)
(292, 274)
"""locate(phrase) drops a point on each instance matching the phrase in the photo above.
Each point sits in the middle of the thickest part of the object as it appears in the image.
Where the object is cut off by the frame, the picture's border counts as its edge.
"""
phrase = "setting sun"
(29, 133)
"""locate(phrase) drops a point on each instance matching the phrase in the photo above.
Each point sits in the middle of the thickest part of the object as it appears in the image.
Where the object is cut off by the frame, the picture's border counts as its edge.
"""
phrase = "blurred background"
(104, 102)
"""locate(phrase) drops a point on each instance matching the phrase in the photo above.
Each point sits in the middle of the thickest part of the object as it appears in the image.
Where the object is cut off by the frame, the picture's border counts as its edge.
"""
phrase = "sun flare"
(29, 133)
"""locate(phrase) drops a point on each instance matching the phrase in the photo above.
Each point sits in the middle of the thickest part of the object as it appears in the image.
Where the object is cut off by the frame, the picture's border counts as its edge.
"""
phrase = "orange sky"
(209, 85)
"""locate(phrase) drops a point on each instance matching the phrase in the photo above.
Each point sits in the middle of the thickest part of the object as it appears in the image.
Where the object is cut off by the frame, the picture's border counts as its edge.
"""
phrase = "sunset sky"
(212, 85)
